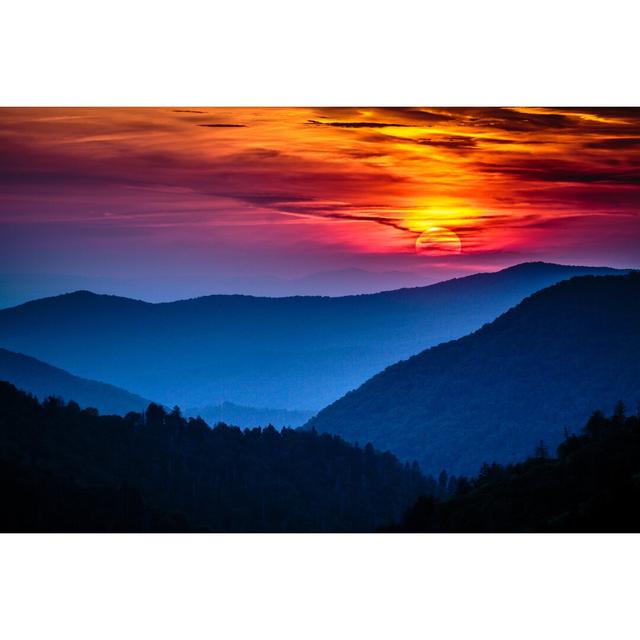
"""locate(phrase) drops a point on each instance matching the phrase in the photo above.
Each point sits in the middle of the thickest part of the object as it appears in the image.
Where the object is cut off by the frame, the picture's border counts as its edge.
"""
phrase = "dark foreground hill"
(78, 471)
(43, 380)
(492, 395)
(592, 486)
(37, 501)
(297, 353)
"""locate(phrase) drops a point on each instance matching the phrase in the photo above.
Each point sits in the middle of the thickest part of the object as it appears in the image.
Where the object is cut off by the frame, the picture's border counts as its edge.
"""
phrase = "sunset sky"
(169, 202)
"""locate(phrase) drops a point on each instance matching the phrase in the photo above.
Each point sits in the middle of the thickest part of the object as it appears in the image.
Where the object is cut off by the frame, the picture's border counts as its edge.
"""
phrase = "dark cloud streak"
(614, 143)
(357, 125)
(221, 125)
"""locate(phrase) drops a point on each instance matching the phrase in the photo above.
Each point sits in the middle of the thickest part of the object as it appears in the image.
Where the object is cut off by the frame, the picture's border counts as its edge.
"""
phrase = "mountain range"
(298, 353)
(537, 370)
(43, 380)
(17, 288)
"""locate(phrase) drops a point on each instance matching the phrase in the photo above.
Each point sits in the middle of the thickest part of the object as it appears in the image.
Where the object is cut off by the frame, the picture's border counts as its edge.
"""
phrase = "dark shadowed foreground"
(593, 485)
(72, 470)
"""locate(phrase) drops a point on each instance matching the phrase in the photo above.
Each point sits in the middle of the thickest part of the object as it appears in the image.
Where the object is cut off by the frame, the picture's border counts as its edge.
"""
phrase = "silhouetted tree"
(541, 451)
(155, 415)
(443, 480)
(619, 412)
(591, 486)
(596, 424)
(158, 471)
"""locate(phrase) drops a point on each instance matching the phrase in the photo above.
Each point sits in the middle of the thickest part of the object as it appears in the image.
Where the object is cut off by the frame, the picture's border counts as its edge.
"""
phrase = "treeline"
(38, 501)
(592, 485)
(67, 469)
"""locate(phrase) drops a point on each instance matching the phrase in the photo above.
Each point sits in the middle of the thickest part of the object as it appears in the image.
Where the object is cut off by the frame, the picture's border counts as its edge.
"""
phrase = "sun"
(438, 241)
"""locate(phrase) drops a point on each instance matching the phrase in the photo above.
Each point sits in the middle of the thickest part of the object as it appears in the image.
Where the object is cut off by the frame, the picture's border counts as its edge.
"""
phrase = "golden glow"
(448, 212)
(359, 180)
(438, 241)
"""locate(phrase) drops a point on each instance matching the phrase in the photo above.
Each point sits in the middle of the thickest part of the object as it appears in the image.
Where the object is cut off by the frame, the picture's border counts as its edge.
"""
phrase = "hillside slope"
(491, 396)
(157, 471)
(593, 485)
(295, 353)
(42, 380)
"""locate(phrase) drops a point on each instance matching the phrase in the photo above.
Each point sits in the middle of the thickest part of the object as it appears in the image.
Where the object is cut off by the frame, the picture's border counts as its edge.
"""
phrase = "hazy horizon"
(167, 203)
(16, 289)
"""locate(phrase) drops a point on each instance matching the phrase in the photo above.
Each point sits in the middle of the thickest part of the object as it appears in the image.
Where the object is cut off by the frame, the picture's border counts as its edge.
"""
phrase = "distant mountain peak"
(42, 380)
(80, 297)
(536, 265)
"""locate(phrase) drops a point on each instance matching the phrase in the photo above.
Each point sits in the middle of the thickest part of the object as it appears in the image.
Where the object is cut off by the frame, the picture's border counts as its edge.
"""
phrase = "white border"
(319, 587)
(329, 53)
(335, 52)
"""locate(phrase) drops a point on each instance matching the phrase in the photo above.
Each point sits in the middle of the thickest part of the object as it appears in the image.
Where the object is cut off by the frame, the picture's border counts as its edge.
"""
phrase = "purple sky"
(164, 203)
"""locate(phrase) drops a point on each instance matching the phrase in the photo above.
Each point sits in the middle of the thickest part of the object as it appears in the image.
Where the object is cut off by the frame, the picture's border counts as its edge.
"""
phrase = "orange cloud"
(366, 180)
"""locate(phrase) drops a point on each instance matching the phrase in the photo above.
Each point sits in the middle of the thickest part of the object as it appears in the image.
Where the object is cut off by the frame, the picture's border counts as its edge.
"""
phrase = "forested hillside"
(67, 469)
(491, 396)
(593, 485)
